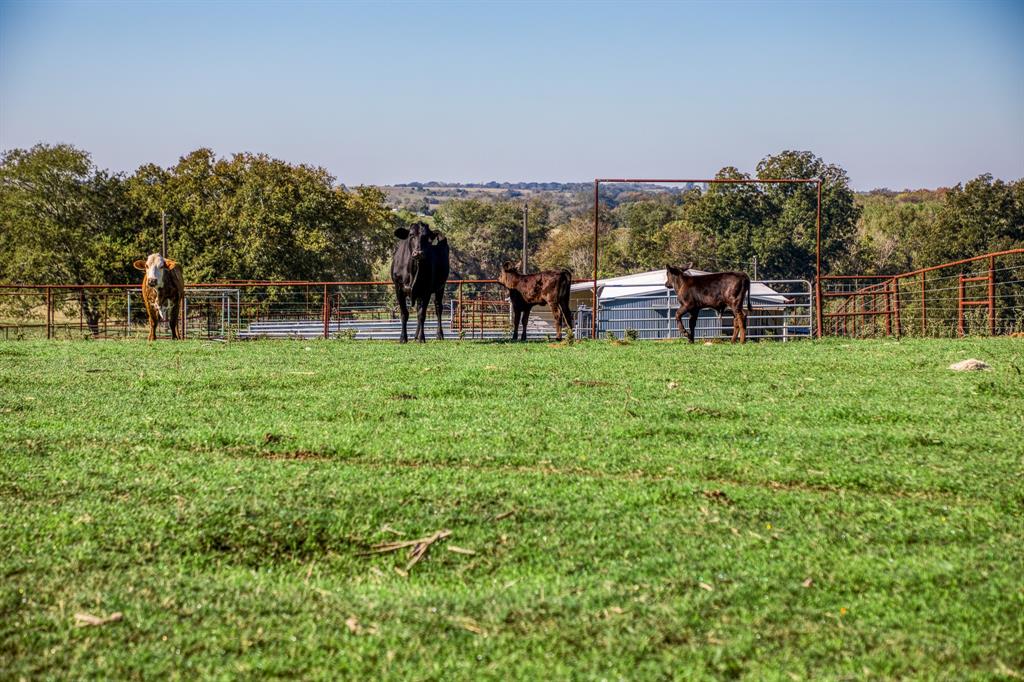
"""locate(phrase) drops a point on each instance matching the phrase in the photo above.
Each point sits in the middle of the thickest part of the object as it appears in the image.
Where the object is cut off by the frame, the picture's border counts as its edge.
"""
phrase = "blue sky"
(909, 94)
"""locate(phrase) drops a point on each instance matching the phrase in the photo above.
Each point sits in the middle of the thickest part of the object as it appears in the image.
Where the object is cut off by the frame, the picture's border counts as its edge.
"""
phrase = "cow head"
(419, 237)
(672, 272)
(508, 274)
(155, 266)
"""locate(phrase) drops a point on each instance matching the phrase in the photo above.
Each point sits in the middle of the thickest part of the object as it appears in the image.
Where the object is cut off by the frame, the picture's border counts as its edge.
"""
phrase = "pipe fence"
(980, 295)
(783, 313)
(471, 309)
(983, 295)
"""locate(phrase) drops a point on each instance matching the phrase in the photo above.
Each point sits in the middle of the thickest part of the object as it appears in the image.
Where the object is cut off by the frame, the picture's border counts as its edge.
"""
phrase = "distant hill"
(425, 197)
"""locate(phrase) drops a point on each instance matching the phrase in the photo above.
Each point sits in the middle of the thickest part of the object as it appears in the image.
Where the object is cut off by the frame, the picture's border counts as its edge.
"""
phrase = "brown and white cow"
(716, 290)
(163, 292)
(525, 291)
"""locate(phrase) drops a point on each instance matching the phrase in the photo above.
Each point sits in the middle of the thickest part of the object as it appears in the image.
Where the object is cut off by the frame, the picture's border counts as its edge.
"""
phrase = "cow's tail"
(564, 288)
(750, 307)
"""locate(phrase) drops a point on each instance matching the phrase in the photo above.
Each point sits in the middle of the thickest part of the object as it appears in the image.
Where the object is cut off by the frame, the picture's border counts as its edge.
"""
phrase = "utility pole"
(163, 232)
(755, 268)
(526, 212)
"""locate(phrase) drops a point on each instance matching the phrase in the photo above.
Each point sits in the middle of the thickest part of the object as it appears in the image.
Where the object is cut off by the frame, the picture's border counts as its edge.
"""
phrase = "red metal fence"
(252, 309)
(979, 295)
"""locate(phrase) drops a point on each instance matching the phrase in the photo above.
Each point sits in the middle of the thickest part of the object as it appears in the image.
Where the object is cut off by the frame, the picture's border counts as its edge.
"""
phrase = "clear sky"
(901, 94)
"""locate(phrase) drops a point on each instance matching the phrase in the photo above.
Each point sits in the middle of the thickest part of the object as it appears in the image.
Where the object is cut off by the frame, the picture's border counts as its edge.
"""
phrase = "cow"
(525, 291)
(419, 270)
(716, 290)
(163, 292)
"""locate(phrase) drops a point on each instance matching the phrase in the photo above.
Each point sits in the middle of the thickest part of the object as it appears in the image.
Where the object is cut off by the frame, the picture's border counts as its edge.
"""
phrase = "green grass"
(670, 503)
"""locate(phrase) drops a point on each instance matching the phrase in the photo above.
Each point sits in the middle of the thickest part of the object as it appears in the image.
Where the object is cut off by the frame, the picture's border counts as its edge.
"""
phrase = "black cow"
(419, 269)
(716, 290)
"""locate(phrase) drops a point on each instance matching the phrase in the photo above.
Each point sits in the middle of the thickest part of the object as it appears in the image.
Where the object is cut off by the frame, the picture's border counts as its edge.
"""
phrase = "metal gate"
(784, 314)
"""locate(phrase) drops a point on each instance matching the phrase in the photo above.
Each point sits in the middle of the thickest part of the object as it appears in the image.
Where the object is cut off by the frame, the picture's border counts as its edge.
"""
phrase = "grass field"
(809, 510)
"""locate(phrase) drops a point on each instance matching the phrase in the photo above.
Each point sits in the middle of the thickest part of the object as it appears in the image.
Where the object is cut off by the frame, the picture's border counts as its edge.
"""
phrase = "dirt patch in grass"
(296, 455)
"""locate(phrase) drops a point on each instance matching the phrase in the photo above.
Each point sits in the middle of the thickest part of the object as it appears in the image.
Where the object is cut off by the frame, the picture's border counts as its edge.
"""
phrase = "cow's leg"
(680, 311)
(172, 319)
(437, 310)
(526, 319)
(693, 324)
(403, 308)
(556, 314)
(740, 317)
(566, 314)
(153, 320)
(421, 318)
(517, 314)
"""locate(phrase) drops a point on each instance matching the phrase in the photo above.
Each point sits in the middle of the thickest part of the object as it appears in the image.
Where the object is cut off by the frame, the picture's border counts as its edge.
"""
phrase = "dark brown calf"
(716, 290)
(163, 292)
(525, 291)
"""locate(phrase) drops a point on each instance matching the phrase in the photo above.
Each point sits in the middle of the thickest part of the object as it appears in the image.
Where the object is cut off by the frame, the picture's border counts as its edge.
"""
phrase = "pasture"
(827, 510)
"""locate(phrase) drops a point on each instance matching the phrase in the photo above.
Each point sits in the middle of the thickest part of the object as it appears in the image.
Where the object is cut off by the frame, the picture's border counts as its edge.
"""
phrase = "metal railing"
(364, 310)
(472, 309)
(979, 295)
(784, 315)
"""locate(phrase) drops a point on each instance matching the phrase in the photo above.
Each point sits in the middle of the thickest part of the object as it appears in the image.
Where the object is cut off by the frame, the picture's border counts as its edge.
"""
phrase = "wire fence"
(980, 295)
(983, 295)
(471, 309)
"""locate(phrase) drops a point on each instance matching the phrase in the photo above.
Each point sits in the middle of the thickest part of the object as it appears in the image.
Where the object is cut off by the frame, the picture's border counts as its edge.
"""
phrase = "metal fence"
(983, 295)
(784, 315)
(473, 309)
(980, 295)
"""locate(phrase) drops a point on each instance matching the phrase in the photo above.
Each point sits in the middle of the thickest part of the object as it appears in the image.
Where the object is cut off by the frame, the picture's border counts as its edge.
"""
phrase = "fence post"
(924, 309)
(326, 314)
(887, 298)
(896, 301)
(857, 308)
(460, 307)
(960, 306)
(991, 295)
(49, 313)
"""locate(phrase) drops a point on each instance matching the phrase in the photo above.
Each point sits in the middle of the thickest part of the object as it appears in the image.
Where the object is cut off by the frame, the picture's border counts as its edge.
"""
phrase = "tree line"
(249, 216)
(65, 221)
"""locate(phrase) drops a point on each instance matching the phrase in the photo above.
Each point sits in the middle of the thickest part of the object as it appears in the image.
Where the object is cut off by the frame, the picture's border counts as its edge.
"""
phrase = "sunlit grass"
(817, 510)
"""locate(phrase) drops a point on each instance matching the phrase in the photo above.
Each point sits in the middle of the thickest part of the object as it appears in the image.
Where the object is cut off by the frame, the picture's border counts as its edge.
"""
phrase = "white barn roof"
(653, 282)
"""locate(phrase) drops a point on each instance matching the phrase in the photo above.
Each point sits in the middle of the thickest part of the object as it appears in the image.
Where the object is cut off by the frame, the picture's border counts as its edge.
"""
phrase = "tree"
(255, 217)
(64, 222)
(775, 222)
(483, 234)
(893, 230)
(981, 216)
(787, 245)
(731, 218)
(642, 221)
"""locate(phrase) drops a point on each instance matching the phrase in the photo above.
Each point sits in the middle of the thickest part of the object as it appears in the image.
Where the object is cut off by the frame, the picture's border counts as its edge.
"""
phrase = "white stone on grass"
(971, 365)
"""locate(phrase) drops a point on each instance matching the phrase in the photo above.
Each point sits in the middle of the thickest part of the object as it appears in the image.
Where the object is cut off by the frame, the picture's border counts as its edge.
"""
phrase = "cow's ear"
(401, 233)
(139, 265)
(170, 263)
(669, 268)
(689, 266)
(436, 237)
